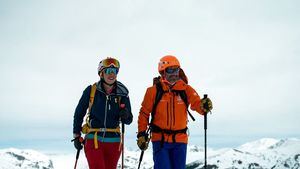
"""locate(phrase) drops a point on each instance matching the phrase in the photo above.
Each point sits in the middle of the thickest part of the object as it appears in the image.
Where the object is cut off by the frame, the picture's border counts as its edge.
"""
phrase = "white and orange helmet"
(108, 62)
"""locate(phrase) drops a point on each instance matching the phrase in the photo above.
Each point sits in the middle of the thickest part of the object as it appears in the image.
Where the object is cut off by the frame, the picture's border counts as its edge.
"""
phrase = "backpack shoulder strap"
(158, 96)
(183, 96)
(92, 96)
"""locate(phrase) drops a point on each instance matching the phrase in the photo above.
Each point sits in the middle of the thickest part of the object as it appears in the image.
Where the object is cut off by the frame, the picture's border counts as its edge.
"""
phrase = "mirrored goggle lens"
(111, 62)
(172, 70)
(111, 70)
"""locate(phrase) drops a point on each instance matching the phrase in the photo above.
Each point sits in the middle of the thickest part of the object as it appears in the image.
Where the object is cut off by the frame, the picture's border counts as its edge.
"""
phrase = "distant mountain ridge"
(26, 159)
(266, 153)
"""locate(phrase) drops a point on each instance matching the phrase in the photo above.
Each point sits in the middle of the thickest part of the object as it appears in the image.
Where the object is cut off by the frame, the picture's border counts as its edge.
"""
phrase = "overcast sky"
(244, 54)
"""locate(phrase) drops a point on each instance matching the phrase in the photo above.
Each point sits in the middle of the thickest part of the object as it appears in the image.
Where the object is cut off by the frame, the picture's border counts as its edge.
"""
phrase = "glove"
(124, 114)
(142, 140)
(78, 142)
(206, 105)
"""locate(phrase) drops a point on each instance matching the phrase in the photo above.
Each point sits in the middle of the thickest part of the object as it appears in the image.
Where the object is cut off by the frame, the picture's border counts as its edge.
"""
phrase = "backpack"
(160, 92)
(87, 126)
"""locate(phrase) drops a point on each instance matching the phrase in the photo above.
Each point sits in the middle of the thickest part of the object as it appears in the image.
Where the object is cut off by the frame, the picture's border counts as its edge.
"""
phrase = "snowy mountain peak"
(26, 159)
(263, 153)
(261, 144)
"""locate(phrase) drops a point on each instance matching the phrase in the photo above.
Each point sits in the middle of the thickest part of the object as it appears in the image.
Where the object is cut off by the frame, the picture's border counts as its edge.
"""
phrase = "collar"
(119, 89)
(179, 85)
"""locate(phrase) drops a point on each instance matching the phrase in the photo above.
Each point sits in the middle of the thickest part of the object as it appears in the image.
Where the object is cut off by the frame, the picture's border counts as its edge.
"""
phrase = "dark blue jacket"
(105, 109)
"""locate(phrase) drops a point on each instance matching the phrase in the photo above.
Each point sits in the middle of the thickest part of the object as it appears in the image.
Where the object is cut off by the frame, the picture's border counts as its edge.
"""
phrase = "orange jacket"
(171, 111)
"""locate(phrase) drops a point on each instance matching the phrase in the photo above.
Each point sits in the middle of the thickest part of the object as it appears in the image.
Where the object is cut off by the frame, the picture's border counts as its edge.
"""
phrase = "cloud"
(243, 54)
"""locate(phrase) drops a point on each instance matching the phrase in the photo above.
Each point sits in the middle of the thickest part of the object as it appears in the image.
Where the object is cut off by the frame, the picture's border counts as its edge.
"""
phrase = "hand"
(206, 105)
(123, 114)
(142, 140)
(78, 142)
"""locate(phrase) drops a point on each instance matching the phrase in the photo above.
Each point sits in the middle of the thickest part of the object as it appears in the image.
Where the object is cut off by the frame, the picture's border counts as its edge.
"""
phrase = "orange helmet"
(167, 61)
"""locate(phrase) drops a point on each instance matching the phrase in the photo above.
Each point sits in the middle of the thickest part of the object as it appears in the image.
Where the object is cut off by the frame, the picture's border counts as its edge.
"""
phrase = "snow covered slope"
(25, 159)
(265, 153)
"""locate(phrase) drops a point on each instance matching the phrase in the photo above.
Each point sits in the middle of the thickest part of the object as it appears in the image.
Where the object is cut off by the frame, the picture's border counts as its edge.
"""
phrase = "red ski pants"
(105, 157)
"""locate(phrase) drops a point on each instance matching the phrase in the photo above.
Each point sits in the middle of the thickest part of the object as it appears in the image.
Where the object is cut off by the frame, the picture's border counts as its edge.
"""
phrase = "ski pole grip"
(205, 104)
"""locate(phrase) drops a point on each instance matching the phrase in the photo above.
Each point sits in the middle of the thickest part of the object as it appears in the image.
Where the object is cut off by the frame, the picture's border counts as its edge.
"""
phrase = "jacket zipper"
(174, 110)
(105, 115)
(168, 114)
(171, 117)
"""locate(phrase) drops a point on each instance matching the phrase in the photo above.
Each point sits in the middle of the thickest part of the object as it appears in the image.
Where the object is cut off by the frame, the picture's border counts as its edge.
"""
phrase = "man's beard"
(172, 79)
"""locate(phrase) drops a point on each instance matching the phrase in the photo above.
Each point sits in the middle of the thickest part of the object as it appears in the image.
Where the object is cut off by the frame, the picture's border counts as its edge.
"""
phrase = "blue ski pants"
(170, 156)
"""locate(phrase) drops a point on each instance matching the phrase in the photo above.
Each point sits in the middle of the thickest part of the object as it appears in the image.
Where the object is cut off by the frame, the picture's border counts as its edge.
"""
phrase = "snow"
(26, 159)
(64, 161)
(263, 153)
(261, 144)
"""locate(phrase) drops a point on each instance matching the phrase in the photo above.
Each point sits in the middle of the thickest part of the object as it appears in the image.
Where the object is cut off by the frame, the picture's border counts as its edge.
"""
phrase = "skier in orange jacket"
(168, 125)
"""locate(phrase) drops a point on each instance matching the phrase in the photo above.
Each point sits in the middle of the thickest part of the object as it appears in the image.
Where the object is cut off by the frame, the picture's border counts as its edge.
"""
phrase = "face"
(110, 75)
(172, 74)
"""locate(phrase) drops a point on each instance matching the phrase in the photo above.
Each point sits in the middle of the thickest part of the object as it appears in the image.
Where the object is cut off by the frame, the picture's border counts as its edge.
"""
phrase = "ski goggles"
(171, 70)
(111, 70)
(110, 62)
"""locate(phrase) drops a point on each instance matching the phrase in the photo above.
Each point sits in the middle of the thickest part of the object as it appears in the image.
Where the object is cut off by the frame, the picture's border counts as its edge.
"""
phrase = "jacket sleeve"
(126, 101)
(146, 109)
(194, 99)
(80, 110)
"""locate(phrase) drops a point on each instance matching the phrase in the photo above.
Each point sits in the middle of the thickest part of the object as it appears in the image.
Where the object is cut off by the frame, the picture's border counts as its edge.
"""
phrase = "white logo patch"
(179, 100)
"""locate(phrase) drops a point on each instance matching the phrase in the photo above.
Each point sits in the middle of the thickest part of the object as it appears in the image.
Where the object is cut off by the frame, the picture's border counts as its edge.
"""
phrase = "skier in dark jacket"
(108, 104)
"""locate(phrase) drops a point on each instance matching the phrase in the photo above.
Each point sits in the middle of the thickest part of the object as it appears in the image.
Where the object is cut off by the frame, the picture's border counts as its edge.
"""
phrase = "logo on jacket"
(179, 100)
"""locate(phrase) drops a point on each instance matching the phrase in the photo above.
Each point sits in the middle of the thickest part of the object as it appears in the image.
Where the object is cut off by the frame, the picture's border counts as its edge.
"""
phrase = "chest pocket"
(163, 112)
(113, 103)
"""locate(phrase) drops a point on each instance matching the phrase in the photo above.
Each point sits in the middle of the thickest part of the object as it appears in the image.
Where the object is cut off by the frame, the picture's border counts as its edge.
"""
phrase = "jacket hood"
(119, 90)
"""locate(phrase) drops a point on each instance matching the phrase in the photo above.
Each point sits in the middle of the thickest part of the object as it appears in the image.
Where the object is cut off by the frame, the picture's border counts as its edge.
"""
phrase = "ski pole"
(142, 152)
(123, 130)
(78, 152)
(77, 156)
(122, 137)
(141, 158)
(205, 129)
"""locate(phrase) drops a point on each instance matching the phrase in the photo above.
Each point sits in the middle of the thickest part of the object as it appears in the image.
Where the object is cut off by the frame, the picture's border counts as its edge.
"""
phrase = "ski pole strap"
(96, 130)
